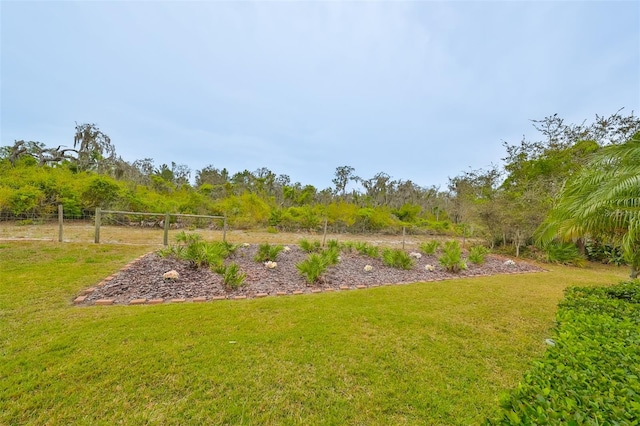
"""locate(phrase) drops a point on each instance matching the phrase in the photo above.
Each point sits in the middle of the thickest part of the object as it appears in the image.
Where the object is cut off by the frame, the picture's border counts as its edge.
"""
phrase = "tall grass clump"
(563, 253)
(312, 267)
(367, 249)
(478, 254)
(232, 276)
(310, 246)
(331, 255)
(268, 252)
(451, 258)
(316, 264)
(333, 244)
(197, 252)
(397, 258)
(430, 247)
(348, 247)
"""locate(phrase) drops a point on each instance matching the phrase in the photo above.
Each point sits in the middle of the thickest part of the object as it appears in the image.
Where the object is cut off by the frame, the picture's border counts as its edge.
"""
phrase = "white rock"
(171, 275)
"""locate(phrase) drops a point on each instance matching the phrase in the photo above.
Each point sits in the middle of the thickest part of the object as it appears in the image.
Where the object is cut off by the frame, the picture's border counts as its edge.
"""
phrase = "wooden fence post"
(97, 234)
(60, 216)
(166, 229)
(324, 234)
(224, 229)
(403, 234)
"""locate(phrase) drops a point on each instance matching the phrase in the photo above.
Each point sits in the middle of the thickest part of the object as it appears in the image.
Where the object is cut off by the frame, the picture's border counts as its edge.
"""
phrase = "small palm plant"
(478, 254)
(268, 253)
(312, 267)
(397, 258)
(430, 247)
(451, 258)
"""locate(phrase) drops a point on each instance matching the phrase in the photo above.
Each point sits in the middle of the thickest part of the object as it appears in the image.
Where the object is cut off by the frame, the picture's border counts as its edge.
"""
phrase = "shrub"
(563, 253)
(333, 244)
(430, 247)
(267, 252)
(204, 254)
(590, 375)
(477, 254)
(232, 276)
(312, 267)
(605, 253)
(397, 258)
(310, 246)
(185, 238)
(367, 249)
(316, 264)
(331, 256)
(451, 258)
(272, 230)
(199, 253)
(348, 246)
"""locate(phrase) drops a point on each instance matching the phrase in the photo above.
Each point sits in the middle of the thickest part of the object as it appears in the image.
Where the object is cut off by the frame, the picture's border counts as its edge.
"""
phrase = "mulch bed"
(143, 279)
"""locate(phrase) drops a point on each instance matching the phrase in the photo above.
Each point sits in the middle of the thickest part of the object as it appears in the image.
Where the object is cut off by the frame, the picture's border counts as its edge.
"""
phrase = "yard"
(425, 353)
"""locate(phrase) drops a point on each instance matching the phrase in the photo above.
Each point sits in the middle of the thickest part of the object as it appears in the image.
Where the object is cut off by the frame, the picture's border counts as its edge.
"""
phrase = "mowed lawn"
(424, 353)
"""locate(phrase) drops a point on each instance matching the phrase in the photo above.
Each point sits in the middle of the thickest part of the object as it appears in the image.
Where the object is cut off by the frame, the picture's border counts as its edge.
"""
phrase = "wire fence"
(113, 227)
(146, 228)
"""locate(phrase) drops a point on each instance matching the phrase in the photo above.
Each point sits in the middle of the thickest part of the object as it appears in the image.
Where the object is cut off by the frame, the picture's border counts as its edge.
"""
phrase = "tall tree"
(343, 175)
(378, 188)
(603, 202)
(94, 148)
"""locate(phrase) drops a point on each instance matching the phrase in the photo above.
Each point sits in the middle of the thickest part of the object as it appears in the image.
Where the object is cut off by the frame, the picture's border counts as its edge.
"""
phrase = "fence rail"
(165, 222)
(131, 227)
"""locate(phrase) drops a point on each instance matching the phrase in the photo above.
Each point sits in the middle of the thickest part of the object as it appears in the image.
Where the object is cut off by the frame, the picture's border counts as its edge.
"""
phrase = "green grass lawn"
(425, 353)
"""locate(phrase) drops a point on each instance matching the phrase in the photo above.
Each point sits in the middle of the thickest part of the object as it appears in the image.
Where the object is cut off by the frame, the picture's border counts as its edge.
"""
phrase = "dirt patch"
(144, 278)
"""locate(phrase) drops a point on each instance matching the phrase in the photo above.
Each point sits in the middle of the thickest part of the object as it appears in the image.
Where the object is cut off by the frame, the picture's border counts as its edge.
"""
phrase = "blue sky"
(419, 90)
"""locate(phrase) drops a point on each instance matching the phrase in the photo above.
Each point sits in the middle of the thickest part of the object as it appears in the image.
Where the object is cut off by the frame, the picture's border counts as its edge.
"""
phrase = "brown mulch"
(144, 278)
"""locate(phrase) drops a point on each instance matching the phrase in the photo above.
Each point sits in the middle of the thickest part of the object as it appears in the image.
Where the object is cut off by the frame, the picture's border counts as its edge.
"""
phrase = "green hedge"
(591, 375)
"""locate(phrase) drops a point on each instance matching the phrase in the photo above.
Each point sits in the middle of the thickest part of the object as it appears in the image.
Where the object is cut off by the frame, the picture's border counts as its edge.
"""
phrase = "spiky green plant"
(186, 238)
(316, 264)
(564, 253)
(199, 253)
(478, 254)
(310, 246)
(312, 267)
(267, 252)
(367, 249)
(430, 247)
(331, 256)
(602, 201)
(204, 254)
(451, 257)
(347, 246)
(397, 258)
(333, 244)
(232, 276)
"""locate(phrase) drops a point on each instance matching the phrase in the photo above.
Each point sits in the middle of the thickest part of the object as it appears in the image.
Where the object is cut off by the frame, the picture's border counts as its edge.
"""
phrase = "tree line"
(504, 204)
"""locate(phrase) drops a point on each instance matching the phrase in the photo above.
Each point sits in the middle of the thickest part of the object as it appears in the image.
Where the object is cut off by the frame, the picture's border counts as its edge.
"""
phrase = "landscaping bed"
(143, 279)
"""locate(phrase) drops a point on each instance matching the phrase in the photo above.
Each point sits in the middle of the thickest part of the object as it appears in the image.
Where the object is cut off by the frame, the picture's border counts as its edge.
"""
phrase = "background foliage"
(504, 204)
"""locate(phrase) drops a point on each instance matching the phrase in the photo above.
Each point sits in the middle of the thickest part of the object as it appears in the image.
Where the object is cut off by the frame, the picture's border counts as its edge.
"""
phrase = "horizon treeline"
(503, 204)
